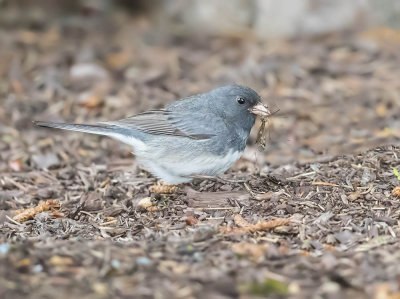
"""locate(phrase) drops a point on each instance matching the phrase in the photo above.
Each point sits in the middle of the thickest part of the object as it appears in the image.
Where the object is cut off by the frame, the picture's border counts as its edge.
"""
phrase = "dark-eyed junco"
(202, 135)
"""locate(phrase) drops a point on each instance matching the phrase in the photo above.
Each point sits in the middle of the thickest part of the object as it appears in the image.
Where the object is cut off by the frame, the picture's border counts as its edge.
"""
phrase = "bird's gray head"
(238, 104)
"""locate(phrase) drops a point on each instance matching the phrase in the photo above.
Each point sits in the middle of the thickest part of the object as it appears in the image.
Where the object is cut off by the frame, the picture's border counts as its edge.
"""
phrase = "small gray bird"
(202, 135)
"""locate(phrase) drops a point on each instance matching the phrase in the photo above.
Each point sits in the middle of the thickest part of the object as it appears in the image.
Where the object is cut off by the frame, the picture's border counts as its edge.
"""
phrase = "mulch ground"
(312, 214)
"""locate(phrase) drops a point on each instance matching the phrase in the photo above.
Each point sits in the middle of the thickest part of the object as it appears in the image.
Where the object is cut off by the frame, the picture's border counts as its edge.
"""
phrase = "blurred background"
(330, 66)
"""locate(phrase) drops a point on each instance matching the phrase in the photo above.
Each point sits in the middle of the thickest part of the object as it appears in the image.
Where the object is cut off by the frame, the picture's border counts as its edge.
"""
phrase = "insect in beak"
(260, 110)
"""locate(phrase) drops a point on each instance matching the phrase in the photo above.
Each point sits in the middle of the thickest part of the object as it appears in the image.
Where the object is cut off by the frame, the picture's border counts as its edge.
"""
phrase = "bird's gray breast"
(232, 139)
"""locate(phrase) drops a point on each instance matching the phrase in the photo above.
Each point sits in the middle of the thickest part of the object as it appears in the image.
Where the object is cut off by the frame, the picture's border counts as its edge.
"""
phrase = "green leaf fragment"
(396, 173)
(266, 288)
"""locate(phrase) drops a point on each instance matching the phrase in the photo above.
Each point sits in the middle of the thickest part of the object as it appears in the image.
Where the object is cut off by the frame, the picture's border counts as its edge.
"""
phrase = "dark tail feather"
(93, 129)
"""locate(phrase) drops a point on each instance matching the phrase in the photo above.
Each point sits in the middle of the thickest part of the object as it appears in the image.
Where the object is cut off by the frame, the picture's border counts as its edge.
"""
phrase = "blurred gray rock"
(88, 71)
(289, 18)
(44, 161)
(210, 16)
(385, 12)
(277, 18)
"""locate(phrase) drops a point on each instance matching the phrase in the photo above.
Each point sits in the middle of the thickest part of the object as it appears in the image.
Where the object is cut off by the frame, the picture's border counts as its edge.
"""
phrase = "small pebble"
(4, 248)
(143, 261)
(38, 268)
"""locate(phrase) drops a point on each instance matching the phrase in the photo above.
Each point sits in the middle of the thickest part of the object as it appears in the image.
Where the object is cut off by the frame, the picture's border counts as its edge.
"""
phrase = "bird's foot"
(161, 188)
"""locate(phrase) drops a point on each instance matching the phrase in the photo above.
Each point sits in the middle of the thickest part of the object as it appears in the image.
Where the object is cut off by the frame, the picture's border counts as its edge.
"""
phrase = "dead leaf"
(145, 202)
(57, 260)
(256, 251)
(26, 214)
(381, 110)
(396, 191)
(15, 165)
(190, 220)
(354, 195)
(119, 60)
(245, 226)
(24, 262)
(382, 291)
(93, 101)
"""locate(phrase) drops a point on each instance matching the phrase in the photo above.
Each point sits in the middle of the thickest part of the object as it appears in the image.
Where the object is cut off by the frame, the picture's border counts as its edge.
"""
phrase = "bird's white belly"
(172, 168)
(178, 171)
(137, 144)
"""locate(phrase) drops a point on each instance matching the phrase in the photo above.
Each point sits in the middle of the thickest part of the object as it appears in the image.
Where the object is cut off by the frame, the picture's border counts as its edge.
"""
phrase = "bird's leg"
(161, 188)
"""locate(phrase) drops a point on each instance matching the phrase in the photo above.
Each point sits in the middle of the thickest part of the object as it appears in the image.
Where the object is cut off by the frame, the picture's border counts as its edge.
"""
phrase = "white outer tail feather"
(96, 129)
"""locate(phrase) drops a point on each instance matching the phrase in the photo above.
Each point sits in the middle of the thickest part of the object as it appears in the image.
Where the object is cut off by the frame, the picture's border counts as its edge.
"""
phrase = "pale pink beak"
(260, 110)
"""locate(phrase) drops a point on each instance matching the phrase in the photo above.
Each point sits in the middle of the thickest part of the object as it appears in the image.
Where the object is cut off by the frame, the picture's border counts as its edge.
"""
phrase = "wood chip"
(216, 200)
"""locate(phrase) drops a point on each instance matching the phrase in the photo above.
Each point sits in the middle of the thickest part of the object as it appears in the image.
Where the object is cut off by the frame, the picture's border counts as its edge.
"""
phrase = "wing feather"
(172, 123)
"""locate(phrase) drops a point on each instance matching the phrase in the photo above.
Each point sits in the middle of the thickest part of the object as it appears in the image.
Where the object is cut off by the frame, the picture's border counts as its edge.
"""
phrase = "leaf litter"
(315, 210)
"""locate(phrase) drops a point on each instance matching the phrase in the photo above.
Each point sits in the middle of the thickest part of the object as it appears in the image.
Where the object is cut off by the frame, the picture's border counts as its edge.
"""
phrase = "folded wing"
(191, 122)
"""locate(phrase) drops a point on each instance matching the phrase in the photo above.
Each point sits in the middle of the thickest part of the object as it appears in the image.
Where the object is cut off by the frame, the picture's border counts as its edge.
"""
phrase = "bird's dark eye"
(241, 100)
